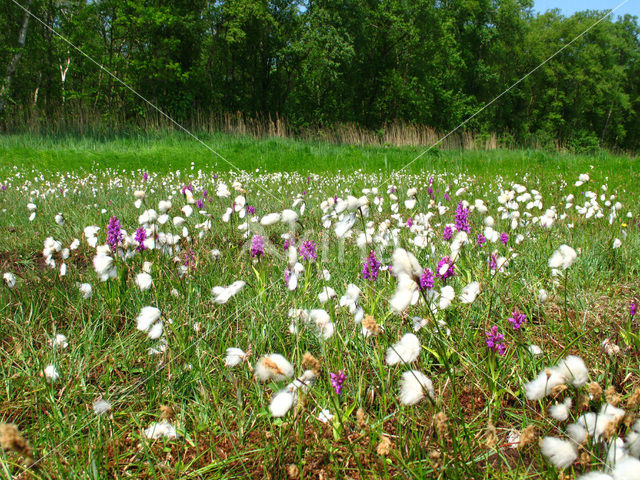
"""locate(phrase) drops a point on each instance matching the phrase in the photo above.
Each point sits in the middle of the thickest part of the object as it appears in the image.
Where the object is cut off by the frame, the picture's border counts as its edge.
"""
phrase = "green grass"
(222, 414)
(169, 152)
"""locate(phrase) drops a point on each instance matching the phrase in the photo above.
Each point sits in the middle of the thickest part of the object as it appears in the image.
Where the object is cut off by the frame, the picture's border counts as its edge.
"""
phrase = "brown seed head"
(595, 390)
(12, 439)
(612, 396)
(441, 423)
(384, 447)
(293, 471)
(527, 437)
(312, 363)
(370, 324)
(271, 365)
(361, 418)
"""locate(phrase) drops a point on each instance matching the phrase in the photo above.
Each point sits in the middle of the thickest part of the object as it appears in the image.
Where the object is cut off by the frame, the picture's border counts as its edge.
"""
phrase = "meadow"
(318, 312)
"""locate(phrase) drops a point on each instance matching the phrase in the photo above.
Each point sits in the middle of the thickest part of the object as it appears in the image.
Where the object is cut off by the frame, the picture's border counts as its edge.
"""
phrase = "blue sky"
(570, 6)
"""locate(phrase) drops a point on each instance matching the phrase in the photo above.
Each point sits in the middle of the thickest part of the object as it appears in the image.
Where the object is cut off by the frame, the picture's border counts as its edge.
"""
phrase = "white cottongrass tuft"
(560, 411)
(144, 281)
(147, 316)
(561, 453)
(282, 402)
(574, 370)
(595, 475)
(222, 295)
(577, 433)
(325, 415)
(273, 366)
(563, 257)
(289, 216)
(571, 369)
(326, 294)
(404, 293)
(633, 440)
(447, 294)
(148, 320)
(59, 341)
(101, 406)
(543, 384)
(406, 350)
(104, 266)
(542, 296)
(51, 373)
(627, 468)
(413, 386)
(85, 290)
(470, 292)
(270, 219)
(160, 430)
(234, 357)
(155, 332)
(10, 279)
(406, 262)
(534, 350)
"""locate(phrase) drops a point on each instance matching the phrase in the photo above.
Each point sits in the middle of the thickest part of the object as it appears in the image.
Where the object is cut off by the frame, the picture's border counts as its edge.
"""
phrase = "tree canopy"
(323, 62)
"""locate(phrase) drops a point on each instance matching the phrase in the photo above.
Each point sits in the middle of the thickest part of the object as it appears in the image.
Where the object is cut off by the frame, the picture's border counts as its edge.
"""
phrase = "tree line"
(323, 62)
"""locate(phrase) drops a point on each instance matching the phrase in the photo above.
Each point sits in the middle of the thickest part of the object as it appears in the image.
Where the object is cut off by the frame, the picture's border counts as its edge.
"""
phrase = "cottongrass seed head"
(413, 387)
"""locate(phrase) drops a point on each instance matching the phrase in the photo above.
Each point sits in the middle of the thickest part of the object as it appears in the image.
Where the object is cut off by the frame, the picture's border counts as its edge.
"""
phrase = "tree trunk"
(11, 68)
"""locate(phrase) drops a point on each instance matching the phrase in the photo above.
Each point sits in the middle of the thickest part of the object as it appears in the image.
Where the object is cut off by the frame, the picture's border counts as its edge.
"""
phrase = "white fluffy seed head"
(147, 317)
(406, 350)
(282, 402)
(234, 356)
(144, 281)
(561, 453)
(51, 373)
(413, 387)
(560, 411)
(273, 366)
(574, 370)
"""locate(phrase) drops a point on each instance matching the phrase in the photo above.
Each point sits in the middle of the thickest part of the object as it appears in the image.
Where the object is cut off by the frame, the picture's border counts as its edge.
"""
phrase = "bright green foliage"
(318, 63)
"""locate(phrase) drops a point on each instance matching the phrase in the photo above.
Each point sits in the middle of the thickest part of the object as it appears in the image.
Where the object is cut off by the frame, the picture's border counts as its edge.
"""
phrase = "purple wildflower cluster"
(504, 238)
(141, 236)
(187, 187)
(481, 239)
(495, 341)
(337, 381)
(409, 222)
(462, 219)
(371, 267)
(450, 271)
(517, 319)
(308, 250)
(250, 209)
(447, 198)
(189, 259)
(633, 308)
(3, 187)
(114, 233)
(493, 262)
(427, 280)
(145, 176)
(257, 246)
(199, 204)
(447, 233)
